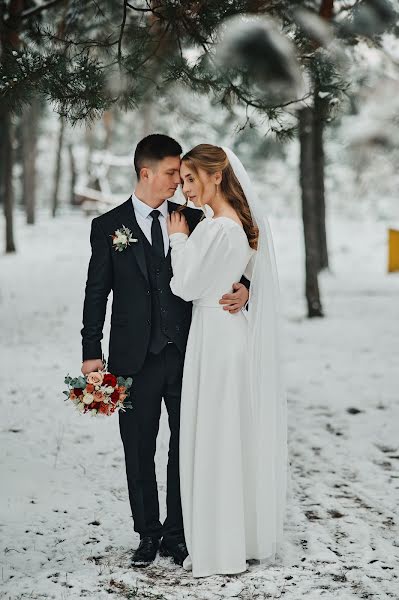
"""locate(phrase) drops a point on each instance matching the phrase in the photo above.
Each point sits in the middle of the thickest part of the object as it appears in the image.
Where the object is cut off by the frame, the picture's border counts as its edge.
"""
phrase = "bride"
(233, 459)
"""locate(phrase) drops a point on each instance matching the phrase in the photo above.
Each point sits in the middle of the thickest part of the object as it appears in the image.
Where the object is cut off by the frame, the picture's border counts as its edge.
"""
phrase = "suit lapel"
(190, 214)
(137, 248)
(171, 206)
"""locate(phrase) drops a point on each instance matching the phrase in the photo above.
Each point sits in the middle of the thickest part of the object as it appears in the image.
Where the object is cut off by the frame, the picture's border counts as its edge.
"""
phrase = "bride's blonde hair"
(212, 159)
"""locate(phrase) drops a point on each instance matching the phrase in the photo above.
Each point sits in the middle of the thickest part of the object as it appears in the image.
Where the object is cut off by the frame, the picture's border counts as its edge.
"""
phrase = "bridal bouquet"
(98, 393)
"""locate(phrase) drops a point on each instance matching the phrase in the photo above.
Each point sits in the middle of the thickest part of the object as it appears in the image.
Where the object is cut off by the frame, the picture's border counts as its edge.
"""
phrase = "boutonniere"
(122, 238)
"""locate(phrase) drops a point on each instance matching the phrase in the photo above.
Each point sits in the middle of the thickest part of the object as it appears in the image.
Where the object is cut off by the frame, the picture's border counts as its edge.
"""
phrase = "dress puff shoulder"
(200, 260)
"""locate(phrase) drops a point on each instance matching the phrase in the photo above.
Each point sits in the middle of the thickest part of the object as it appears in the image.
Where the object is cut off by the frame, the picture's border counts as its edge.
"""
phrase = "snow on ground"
(65, 524)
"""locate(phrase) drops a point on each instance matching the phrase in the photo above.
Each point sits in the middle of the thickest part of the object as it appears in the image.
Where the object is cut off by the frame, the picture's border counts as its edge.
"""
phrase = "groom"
(149, 329)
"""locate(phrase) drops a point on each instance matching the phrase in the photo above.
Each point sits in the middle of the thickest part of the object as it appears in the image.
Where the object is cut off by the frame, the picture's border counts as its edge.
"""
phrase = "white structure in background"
(94, 200)
(97, 201)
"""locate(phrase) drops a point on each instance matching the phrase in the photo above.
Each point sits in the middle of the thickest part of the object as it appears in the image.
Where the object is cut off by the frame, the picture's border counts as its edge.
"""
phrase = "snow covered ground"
(65, 525)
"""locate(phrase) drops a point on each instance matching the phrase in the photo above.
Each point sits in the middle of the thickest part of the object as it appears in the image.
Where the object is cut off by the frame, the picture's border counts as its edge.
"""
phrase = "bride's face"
(201, 188)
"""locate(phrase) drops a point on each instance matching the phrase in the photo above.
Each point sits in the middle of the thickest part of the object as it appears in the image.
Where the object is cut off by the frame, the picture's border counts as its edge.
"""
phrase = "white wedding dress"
(216, 466)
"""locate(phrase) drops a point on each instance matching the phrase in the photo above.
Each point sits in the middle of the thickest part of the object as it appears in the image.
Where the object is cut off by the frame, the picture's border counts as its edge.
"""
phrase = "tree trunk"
(9, 39)
(29, 139)
(57, 174)
(90, 143)
(73, 174)
(6, 187)
(107, 121)
(147, 118)
(327, 9)
(318, 163)
(309, 214)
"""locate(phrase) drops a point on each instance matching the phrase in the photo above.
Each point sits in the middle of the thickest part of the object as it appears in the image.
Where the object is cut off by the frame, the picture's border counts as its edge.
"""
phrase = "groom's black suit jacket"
(126, 274)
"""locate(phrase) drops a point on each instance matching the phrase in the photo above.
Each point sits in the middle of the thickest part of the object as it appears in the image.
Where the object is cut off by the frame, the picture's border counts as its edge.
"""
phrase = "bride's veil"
(266, 394)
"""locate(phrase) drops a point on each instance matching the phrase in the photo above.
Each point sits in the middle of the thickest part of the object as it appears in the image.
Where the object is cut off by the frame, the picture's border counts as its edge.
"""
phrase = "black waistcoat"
(165, 307)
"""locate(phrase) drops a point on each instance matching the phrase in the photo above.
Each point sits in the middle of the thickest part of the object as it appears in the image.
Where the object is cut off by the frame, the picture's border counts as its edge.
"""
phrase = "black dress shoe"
(177, 550)
(146, 552)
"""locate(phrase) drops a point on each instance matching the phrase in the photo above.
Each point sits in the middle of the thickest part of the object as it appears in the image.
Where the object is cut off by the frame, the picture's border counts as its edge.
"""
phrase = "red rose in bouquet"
(115, 396)
(109, 380)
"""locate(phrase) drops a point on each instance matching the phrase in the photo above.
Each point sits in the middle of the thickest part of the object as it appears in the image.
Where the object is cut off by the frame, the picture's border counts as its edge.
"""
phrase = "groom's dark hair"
(153, 148)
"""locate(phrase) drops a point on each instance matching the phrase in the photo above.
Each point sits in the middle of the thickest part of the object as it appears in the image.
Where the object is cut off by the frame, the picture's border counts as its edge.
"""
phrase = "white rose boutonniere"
(122, 238)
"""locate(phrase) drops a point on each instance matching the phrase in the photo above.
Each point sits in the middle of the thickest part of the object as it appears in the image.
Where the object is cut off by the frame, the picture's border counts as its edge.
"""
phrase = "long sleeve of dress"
(248, 273)
(196, 260)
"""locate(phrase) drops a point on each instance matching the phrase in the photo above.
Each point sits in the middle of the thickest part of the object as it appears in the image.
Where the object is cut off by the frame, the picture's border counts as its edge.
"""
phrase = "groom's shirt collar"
(144, 210)
(144, 219)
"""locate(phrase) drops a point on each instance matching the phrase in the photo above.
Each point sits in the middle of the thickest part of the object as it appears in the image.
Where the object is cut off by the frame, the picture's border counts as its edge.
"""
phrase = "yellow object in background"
(393, 250)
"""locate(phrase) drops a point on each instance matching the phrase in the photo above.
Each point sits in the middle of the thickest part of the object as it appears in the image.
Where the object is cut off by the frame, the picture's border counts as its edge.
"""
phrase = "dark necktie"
(156, 235)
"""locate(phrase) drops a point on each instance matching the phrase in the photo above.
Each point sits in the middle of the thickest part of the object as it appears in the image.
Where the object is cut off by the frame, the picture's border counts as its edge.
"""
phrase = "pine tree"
(86, 58)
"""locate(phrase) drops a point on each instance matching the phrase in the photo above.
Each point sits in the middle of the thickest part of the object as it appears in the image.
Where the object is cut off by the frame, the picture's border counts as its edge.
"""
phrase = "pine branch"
(122, 30)
(143, 10)
(86, 43)
(349, 8)
(155, 51)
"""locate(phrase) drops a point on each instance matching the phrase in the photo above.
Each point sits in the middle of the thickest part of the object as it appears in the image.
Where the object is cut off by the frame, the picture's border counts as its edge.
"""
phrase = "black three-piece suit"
(149, 329)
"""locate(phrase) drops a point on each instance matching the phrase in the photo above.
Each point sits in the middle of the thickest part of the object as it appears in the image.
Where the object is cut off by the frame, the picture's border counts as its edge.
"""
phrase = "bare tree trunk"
(327, 9)
(147, 117)
(309, 214)
(57, 174)
(6, 186)
(9, 39)
(73, 174)
(318, 163)
(90, 145)
(29, 139)
(107, 121)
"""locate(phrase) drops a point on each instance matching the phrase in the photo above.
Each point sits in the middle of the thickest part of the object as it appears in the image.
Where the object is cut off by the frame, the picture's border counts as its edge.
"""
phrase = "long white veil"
(266, 395)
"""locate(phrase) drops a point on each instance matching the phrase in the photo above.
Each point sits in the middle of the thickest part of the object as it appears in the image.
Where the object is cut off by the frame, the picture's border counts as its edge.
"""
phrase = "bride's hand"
(176, 223)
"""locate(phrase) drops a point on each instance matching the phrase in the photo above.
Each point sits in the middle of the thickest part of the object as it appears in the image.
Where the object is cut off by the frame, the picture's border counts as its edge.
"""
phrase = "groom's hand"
(237, 300)
(94, 364)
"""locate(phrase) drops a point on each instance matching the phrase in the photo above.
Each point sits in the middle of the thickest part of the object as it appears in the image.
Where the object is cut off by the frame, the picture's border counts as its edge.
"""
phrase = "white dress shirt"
(144, 219)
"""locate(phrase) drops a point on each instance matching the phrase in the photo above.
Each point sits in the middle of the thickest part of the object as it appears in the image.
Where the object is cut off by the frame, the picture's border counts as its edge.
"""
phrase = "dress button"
(148, 322)
(148, 292)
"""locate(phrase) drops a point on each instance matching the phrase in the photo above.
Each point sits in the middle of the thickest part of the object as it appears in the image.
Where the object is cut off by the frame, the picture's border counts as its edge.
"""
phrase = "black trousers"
(160, 377)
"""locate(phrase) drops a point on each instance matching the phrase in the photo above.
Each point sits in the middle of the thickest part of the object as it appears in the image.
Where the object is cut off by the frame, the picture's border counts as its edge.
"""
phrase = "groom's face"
(163, 177)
